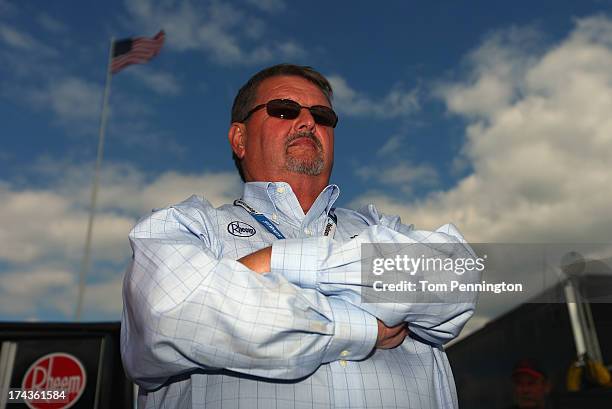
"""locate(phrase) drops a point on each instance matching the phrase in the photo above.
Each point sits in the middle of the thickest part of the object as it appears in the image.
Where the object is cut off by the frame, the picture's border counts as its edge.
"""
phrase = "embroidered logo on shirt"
(240, 229)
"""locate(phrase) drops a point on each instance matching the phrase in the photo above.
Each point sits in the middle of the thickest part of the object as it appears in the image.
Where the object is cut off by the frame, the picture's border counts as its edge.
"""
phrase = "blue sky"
(493, 118)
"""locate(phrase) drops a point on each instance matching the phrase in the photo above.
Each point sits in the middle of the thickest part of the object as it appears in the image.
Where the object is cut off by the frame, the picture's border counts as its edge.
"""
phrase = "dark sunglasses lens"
(324, 116)
(288, 109)
(283, 108)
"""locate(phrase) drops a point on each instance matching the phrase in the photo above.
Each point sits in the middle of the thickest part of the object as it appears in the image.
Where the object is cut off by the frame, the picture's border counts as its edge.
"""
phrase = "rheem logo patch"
(56, 372)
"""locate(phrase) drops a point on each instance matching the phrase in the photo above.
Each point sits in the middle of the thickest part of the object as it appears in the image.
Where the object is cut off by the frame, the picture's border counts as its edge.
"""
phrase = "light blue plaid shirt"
(201, 330)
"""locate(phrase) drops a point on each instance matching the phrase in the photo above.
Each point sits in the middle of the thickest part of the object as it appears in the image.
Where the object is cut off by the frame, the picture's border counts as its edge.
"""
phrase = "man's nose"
(304, 120)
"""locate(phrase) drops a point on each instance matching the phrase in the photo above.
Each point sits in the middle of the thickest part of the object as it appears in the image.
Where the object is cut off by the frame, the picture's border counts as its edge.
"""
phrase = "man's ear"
(237, 138)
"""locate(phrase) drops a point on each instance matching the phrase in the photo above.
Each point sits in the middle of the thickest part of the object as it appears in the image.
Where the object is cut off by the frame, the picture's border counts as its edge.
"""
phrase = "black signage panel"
(79, 388)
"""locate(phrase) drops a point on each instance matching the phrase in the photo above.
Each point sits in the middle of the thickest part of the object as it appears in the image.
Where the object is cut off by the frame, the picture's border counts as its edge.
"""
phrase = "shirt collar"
(276, 200)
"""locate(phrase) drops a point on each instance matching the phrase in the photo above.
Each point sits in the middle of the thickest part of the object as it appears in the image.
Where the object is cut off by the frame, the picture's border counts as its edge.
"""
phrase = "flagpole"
(94, 191)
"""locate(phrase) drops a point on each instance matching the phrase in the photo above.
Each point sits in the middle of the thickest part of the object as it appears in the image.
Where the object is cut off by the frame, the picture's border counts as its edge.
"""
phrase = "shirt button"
(342, 362)
(307, 231)
(274, 216)
(280, 189)
(344, 353)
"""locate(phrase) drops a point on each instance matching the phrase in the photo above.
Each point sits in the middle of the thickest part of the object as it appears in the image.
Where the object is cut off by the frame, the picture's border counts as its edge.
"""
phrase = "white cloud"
(391, 146)
(42, 232)
(170, 187)
(162, 83)
(539, 149)
(398, 102)
(495, 72)
(403, 176)
(23, 292)
(46, 224)
(38, 282)
(76, 104)
(23, 41)
(50, 23)
(70, 98)
(104, 299)
(33, 232)
(393, 169)
(16, 39)
(220, 30)
(30, 293)
(269, 6)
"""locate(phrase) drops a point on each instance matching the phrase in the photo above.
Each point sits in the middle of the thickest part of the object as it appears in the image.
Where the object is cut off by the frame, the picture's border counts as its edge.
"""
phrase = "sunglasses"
(289, 109)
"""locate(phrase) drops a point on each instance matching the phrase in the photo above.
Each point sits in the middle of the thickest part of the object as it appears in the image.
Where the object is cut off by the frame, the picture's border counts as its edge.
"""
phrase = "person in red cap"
(531, 386)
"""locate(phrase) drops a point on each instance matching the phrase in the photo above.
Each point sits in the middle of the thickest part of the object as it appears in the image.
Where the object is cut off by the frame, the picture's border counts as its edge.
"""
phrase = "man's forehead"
(290, 86)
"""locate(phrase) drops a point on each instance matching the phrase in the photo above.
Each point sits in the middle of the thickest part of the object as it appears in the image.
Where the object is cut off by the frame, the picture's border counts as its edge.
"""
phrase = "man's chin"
(311, 167)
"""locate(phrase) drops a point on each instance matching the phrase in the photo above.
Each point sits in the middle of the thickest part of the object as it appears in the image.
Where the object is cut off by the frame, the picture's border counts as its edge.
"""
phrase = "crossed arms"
(388, 337)
(188, 308)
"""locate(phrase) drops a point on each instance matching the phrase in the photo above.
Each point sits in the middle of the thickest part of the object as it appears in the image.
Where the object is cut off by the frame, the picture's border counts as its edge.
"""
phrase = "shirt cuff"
(296, 260)
(355, 332)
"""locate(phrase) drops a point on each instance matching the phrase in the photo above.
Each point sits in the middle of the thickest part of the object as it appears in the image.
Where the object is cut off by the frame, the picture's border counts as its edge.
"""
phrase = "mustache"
(304, 134)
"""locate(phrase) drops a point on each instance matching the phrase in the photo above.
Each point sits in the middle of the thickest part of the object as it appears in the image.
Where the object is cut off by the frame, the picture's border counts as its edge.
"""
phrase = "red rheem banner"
(60, 376)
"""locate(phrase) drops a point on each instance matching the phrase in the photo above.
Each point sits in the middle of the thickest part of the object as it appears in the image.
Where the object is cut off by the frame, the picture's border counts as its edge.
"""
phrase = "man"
(256, 303)
(531, 386)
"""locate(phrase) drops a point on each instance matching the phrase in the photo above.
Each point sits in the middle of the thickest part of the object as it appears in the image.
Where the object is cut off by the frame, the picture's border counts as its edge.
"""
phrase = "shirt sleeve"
(334, 267)
(186, 308)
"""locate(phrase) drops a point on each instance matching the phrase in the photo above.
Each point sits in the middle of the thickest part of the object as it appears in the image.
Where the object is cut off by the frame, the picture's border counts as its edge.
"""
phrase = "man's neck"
(307, 189)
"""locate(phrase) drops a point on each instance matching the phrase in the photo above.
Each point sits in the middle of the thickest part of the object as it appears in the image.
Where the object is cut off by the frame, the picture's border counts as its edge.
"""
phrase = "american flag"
(137, 50)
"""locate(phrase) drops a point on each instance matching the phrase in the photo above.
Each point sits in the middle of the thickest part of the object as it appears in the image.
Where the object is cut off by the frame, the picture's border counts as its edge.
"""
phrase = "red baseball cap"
(530, 367)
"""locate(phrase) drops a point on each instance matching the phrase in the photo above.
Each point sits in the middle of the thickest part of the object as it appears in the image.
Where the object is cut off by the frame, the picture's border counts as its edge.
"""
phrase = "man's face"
(276, 148)
(530, 391)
